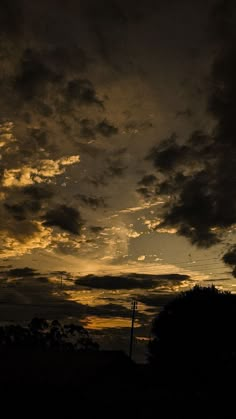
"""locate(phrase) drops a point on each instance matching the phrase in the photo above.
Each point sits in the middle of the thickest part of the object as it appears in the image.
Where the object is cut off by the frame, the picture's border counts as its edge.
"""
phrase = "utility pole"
(134, 306)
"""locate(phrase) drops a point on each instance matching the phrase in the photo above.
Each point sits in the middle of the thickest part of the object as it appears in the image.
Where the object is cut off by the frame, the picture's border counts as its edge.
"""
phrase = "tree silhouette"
(41, 334)
(195, 331)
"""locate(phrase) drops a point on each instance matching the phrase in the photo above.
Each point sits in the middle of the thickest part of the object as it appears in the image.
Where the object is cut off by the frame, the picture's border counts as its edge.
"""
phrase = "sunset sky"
(117, 157)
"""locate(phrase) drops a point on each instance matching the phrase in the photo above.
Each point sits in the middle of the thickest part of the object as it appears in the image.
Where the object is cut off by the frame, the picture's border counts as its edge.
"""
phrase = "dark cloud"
(24, 294)
(119, 12)
(47, 80)
(110, 23)
(42, 279)
(38, 193)
(87, 128)
(229, 258)
(115, 168)
(35, 298)
(40, 136)
(34, 76)
(106, 129)
(42, 87)
(147, 186)
(17, 211)
(137, 126)
(97, 181)
(96, 229)
(91, 129)
(20, 228)
(83, 92)
(109, 310)
(62, 59)
(28, 203)
(22, 272)
(48, 84)
(116, 171)
(218, 280)
(93, 202)
(148, 180)
(145, 192)
(170, 155)
(222, 17)
(200, 172)
(21, 211)
(64, 217)
(129, 282)
(157, 300)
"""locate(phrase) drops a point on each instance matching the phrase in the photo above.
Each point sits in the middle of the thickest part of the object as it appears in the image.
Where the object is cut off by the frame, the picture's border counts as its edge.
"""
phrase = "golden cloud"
(6, 135)
(41, 238)
(46, 169)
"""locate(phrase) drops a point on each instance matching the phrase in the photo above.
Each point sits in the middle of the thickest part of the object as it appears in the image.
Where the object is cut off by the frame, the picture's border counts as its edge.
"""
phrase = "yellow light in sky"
(97, 323)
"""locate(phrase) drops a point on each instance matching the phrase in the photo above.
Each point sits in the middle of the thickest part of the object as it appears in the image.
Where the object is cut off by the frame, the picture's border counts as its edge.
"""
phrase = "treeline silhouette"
(190, 372)
(41, 334)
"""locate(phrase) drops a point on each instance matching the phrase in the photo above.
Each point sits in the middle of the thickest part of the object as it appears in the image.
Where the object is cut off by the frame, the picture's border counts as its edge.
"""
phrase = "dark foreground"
(107, 384)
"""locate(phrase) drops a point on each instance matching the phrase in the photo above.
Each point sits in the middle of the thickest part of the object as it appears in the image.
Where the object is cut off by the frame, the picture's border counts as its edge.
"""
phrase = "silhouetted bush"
(41, 334)
(195, 333)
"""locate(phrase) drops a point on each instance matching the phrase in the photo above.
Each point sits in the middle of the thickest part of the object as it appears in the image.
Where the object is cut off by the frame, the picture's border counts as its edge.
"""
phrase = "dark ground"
(106, 384)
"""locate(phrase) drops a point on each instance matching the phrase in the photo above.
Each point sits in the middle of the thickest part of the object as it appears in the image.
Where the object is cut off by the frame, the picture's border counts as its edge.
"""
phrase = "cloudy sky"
(117, 156)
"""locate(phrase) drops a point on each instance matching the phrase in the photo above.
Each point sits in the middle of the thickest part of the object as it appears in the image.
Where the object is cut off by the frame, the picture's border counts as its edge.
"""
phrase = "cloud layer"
(196, 176)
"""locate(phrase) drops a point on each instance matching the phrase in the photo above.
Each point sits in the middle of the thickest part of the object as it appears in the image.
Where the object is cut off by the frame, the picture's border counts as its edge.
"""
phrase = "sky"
(117, 158)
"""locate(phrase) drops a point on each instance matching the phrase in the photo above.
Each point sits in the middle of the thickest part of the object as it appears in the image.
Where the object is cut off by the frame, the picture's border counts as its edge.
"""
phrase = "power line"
(159, 271)
(150, 265)
(191, 264)
(65, 302)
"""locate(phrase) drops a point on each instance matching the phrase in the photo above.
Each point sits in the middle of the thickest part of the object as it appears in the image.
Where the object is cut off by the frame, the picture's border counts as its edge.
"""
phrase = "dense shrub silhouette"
(41, 334)
(195, 331)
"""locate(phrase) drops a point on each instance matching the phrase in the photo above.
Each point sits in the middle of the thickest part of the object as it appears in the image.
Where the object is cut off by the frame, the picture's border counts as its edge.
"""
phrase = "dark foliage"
(195, 333)
(40, 334)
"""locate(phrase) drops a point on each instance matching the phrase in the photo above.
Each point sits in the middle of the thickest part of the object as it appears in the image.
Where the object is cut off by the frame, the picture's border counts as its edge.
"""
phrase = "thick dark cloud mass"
(66, 218)
(109, 310)
(229, 258)
(38, 193)
(89, 129)
(82, 91)
(129, 282)
(156, 301)
(197, 177)
(33, 77)
(148, 180)
(92, 201)
(21, 272)
(106, 129)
